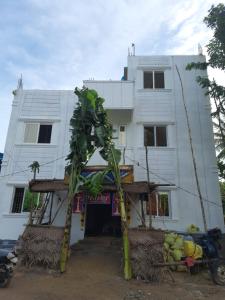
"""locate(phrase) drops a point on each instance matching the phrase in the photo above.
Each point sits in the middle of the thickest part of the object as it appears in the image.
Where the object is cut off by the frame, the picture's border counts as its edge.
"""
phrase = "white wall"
(117, 94)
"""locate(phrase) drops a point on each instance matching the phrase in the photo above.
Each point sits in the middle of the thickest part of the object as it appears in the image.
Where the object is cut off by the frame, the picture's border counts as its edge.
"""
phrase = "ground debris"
(136, 295)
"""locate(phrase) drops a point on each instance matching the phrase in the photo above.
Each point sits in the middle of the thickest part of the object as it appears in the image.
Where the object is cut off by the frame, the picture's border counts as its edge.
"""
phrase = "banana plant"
(114, 156)
(91, 130)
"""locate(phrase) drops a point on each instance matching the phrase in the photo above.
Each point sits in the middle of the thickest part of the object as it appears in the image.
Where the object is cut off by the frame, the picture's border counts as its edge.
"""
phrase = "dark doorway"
(99, 221)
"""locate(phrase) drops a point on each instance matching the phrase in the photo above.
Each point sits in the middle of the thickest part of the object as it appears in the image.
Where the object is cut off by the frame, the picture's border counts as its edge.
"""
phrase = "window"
(122, 135)
(159, 80)
(23, 199)
(154, 80)
(38, 133)
(155, 136)
(148, 80)
(160, 204)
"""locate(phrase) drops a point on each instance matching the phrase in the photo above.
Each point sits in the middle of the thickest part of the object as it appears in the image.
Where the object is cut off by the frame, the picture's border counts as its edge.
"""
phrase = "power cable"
(28, 169)
(162, 178)
(134, 161)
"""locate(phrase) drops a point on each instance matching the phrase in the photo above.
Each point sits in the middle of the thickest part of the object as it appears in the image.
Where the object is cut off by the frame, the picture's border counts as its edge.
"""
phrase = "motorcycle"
(211, 246)
(7, 262)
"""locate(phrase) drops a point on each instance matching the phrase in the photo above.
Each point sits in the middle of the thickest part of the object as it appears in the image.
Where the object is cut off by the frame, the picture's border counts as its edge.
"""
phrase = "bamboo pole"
(51, 205)
(57, 211)
(192, 153)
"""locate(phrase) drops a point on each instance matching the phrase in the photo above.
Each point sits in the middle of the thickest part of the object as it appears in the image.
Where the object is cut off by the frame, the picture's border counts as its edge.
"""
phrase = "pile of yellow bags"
(193, 250)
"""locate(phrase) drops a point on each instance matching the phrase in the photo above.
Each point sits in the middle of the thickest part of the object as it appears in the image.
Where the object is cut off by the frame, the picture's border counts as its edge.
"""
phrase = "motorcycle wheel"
(217, 270)
(4, 282)
(195, 269)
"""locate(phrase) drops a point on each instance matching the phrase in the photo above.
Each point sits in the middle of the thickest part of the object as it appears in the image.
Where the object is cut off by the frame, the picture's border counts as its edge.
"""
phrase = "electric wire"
(28, 169)
(134, 161)
(164, 179)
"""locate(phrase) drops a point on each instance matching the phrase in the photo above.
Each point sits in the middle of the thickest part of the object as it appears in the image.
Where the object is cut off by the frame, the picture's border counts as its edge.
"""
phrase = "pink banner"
(78, 203)
(103, 198)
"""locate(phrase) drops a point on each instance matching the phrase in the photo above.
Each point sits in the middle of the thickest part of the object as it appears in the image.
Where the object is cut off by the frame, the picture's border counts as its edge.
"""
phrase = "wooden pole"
(50, 213)
(142, 217)
(149, 190)
(57, 211)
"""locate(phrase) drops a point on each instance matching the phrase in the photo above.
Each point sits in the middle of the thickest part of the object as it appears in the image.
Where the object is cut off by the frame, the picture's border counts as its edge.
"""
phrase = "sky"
(55, 44)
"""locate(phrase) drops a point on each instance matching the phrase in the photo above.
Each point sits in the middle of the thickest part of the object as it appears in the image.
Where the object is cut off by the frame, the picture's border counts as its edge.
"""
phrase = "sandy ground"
(94, 273)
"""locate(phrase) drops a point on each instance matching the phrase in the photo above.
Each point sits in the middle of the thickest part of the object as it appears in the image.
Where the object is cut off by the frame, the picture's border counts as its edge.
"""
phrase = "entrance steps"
(102, 245)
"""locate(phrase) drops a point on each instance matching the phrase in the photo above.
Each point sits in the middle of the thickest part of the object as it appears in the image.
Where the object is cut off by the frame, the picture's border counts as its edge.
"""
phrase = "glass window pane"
(149, 139)
(161, 136)
(159, 80)
(148, 80)
(163, 204)
(31, 130)
(18, 200)
(45, 134)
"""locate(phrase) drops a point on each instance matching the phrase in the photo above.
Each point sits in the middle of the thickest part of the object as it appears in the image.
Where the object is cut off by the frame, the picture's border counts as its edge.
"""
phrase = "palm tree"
(35, 167)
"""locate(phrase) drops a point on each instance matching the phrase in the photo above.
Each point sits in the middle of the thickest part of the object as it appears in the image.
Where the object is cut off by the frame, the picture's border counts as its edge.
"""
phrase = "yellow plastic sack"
(192, 228)
(193, 250)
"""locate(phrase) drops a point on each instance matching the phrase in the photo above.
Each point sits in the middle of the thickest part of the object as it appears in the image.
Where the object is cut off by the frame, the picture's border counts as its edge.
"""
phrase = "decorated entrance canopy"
(128, 183)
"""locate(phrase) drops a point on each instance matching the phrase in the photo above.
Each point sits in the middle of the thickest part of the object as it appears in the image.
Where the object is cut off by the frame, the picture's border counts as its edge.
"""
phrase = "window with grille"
(160, 204)
(154, 80)
(155, 136)
(18, 200)
(23, 199)
(37, 133)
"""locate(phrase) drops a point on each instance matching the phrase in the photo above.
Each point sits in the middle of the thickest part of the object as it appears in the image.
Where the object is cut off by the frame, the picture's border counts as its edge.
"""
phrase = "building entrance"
(99, 221)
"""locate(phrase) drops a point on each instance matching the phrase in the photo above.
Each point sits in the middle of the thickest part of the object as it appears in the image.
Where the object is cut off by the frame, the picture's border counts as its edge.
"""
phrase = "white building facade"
(146, 109)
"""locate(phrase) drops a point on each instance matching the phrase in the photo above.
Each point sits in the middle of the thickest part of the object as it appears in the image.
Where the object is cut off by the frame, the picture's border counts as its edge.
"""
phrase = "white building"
(145, 108)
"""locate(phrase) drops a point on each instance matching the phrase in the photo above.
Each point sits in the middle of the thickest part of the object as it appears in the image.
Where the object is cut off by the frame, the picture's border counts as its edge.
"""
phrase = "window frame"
(168, 192)
(153, 79)
(169, 205)
(38, 131)
(155, 139)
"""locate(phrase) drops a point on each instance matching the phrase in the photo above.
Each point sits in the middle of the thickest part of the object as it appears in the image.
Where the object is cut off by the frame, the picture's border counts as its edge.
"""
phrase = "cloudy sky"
(57, 43)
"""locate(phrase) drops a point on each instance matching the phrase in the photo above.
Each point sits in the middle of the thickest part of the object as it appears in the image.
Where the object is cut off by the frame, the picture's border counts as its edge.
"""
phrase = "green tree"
(216, 52)
(222, 191)
(220, 147)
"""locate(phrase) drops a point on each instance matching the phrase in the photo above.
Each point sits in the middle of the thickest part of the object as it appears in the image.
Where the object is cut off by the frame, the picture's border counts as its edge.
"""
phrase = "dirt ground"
(94, 273)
